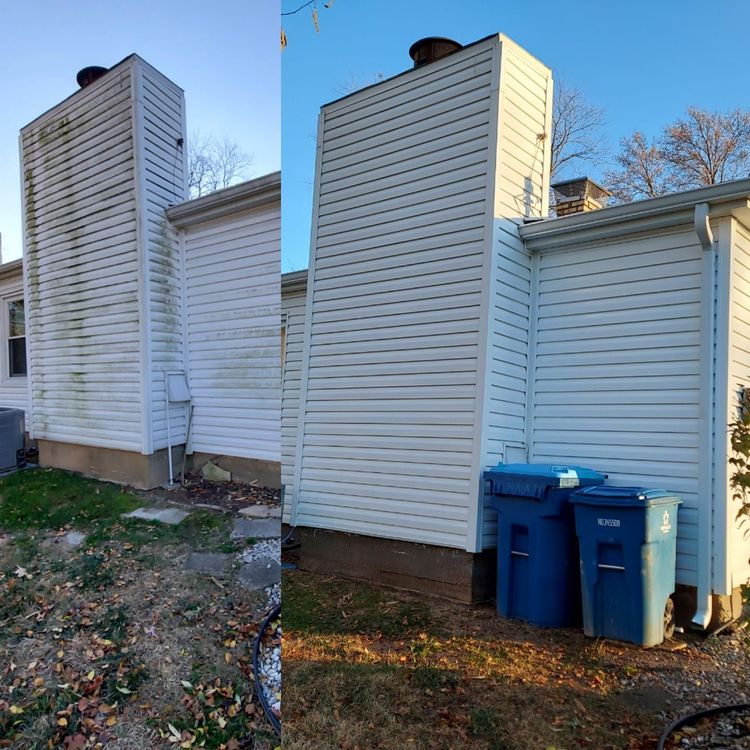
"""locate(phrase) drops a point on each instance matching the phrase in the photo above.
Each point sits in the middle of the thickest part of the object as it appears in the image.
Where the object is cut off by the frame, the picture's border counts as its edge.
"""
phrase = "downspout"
(702, 228)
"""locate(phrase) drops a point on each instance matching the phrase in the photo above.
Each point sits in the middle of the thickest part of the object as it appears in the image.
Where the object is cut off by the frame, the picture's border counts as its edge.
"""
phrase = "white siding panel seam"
(147, 440)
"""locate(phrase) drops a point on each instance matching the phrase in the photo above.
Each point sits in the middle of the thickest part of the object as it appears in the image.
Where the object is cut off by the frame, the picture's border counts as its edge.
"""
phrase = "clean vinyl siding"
(162, 116)
(617, 368)
(739, 378)
(399, 240)
(13, 391)
(522, 183)
(233, 316)
(293, 310)
(81, 267)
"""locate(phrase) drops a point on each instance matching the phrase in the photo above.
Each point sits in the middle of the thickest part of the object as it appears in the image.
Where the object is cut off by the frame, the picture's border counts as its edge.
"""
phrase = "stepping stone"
(73, 539)
(215, 473)
(259, 574)
(210, 563)
(261, 511)
(259, 528)
(170, 516)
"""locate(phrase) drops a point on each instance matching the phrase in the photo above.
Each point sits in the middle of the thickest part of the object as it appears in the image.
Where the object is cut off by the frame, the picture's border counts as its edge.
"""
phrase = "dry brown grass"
(368, 667)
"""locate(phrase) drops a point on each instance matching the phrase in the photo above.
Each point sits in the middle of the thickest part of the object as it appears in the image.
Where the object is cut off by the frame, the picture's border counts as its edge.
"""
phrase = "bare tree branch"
(214, 164)
(642, 172)
(702, 149)
(576, 130)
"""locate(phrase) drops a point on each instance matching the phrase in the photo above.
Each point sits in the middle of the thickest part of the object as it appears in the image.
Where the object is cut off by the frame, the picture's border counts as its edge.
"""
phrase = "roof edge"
(294, 281)
(260, 191)
(666, 210)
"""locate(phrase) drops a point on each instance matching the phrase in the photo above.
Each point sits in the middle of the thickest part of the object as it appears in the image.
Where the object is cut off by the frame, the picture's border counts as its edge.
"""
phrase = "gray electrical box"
(11, 438)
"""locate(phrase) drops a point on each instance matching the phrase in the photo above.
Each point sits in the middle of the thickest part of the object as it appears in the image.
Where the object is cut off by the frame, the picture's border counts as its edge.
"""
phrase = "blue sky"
(224, 54)
(644, 62)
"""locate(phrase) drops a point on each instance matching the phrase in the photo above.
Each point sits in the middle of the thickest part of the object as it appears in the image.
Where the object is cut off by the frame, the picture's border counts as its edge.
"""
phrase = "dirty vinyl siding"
(739, 378)
(617, 368)
(162, 110)
(13, 391)
(81, 268)
(233, 320)
(293, 310)
(522, 179)
(399, 239)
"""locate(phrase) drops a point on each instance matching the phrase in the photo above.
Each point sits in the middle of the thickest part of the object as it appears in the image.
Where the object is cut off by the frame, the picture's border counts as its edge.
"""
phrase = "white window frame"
(5, 376)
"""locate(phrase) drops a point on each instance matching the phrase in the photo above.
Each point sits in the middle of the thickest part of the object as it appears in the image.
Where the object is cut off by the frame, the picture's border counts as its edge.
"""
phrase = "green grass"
(348, 607)
(53, 499)
(488, 724)
(201, 529)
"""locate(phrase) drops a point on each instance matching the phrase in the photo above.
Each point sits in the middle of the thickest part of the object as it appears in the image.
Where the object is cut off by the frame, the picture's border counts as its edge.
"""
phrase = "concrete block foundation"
(436, 571)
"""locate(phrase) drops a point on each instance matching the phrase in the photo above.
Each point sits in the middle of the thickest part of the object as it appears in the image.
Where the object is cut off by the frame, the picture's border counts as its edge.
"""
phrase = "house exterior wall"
(160, 123)
(13, 390)
(393, 377)
(232, 320)
(100, 261)
(521, 191)
(616, 380)
(81, 267)
(738, 376)
(293, 321)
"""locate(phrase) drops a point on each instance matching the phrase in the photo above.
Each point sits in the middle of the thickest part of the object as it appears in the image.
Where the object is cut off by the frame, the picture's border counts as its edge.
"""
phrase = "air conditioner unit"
(11, 438)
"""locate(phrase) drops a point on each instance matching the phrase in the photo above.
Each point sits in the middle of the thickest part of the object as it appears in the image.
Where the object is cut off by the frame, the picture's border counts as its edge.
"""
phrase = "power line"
(301, 7)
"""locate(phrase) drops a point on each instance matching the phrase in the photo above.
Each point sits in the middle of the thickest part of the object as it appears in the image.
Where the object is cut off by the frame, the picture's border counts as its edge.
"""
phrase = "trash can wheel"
(669, 619)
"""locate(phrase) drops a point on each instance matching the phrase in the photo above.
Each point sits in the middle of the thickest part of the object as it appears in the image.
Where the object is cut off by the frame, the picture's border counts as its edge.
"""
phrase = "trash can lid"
(639, 497)
(549, 475)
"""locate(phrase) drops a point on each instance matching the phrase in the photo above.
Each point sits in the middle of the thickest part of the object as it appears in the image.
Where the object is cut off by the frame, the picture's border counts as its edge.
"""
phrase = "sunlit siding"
(81, 264)
(739, 378)
(617, 367)
(520, 192)
(293, 312)
(399, 240)
(13, 391)
(233, 319)
(162, 109)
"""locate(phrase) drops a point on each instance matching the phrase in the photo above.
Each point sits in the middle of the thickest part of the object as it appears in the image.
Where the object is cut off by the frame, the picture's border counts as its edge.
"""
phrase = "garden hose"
(690, 718)
(270, 715)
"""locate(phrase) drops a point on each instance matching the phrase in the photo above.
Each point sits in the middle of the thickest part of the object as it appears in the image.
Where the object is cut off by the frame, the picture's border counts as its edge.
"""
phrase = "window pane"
(17, 358)
(17, 318)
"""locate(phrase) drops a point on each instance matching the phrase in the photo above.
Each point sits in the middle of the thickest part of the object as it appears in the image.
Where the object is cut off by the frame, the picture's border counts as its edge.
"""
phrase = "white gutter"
(702, 229)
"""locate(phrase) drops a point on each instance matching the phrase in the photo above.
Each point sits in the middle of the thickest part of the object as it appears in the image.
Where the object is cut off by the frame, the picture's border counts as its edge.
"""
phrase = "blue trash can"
(537, 555)
(627, 538)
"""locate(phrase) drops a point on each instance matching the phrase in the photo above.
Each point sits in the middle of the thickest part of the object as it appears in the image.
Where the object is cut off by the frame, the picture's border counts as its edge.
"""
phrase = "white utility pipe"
(702, 228)
(169, 430)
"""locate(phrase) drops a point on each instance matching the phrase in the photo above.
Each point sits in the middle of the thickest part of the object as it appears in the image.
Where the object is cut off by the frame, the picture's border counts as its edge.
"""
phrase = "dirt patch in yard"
(228, 496)
(368, 667)
(114, 643)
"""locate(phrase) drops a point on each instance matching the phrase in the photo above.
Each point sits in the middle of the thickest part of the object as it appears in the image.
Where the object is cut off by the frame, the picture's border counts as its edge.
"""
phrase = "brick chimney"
(579, 195)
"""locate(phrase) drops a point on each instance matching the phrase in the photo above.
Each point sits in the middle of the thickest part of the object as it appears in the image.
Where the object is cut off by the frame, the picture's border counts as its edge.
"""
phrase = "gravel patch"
(707, 672)
(269, 662)
(267, 548)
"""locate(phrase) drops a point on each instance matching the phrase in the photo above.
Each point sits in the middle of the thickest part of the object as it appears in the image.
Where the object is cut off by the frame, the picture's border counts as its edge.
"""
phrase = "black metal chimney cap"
(432, 48)
(90, 74)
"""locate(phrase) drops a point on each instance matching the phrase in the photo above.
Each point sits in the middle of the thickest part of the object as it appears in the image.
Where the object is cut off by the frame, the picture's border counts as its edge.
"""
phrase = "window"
(16, 339)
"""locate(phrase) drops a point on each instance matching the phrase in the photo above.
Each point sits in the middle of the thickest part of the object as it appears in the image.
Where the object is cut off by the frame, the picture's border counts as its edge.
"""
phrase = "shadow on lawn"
(368, 667)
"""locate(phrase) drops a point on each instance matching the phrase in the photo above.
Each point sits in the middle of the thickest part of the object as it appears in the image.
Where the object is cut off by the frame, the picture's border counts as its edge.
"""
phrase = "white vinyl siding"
(293, 312)
(233, 318)
(162, 110)
(525, 106)
(616, 383)
(739, 378)
(399, 236)
(81, 268)
(13, 391)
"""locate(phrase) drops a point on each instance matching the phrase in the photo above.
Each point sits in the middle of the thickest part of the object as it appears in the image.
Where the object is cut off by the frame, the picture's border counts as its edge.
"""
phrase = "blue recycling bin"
(537, 555)
(628, 546)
